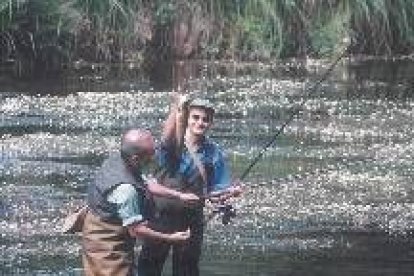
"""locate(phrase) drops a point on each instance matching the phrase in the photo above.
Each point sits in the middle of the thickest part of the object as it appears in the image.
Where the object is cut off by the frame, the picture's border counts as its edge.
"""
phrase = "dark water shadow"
(366, 79)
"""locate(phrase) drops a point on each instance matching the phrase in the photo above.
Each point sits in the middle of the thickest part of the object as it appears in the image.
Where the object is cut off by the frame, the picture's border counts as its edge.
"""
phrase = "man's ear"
(134, 159)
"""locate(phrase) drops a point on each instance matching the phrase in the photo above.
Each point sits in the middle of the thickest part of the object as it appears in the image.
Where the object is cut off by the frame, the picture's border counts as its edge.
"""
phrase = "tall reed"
(116, 30)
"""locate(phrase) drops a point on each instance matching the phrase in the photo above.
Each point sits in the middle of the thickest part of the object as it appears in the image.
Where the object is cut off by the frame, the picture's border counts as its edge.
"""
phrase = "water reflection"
(332, 197)
(382, 79)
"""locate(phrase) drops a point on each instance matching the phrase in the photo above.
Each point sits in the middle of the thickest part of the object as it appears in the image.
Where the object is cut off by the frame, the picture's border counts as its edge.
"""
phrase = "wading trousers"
(185, 256)
(107, 248)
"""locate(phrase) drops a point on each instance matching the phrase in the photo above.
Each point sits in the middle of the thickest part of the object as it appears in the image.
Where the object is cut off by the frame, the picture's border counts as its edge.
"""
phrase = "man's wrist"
(170, 237)
(175, 194)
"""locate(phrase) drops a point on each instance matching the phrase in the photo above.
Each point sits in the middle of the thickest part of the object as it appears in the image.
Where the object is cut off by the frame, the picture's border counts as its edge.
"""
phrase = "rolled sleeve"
(128, 203)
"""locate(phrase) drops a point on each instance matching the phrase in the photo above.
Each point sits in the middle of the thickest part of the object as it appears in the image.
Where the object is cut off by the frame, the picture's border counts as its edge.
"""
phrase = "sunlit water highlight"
(335, 184)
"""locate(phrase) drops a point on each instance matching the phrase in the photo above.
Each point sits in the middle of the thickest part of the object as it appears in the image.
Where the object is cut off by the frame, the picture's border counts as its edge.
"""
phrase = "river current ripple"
(343, 165)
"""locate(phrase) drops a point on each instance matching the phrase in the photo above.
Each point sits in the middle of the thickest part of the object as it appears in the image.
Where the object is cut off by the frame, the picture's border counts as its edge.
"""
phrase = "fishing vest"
(188, 181)
(179, 183)
(112, 173)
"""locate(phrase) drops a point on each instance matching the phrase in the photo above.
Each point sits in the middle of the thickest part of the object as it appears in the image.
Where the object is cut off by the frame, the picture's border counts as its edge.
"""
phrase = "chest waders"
(107, 246)
(108, 249)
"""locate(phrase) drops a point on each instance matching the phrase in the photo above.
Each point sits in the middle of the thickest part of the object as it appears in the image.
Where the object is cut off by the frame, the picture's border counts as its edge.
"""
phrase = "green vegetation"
(383, 27)
(55, 32)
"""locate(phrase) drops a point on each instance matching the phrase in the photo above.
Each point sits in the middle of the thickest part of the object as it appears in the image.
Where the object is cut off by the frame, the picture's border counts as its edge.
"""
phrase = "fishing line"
(293, 114)
(227, 210)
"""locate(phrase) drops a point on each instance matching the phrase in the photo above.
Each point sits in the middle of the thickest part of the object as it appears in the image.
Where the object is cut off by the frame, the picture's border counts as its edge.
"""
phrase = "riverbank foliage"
(56, 32)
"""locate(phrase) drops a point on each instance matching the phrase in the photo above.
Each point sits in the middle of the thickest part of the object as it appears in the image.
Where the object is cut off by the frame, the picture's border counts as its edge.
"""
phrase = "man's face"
(199, 121)
(142, 159)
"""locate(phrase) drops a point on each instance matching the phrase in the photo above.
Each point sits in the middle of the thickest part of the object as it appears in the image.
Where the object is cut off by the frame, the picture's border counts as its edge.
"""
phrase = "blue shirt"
(210, 155)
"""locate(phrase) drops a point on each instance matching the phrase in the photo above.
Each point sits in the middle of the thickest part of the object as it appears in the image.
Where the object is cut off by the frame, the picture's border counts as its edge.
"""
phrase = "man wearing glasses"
(116, 211)
(191, 162)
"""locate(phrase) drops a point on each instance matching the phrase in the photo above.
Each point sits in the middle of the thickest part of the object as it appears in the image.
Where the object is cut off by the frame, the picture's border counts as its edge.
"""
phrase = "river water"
(332, 196)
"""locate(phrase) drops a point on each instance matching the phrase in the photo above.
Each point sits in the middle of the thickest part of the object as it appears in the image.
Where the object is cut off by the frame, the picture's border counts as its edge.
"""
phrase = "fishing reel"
(227, 212)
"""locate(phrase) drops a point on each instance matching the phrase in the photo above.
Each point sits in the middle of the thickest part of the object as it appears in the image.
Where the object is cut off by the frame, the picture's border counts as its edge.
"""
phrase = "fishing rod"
(227, 210)
(293, 114)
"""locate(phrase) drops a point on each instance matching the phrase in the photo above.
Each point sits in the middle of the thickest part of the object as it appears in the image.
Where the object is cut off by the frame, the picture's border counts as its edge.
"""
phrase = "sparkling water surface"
(333, 196)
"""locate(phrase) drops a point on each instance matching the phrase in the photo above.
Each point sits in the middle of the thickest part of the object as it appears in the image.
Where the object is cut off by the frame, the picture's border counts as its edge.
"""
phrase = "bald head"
(137, 142)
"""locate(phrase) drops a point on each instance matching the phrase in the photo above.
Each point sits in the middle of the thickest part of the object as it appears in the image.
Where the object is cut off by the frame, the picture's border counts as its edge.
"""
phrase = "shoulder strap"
(200, 168)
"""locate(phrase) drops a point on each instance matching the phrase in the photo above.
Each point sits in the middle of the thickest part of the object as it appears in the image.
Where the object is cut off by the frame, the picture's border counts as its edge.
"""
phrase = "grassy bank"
(56, 32)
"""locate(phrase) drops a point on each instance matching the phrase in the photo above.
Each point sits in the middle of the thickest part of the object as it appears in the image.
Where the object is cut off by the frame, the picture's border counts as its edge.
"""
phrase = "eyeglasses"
(196, 117)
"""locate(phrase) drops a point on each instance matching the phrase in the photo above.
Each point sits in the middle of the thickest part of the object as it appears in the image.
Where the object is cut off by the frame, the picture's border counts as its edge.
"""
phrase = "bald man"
(116, 213)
